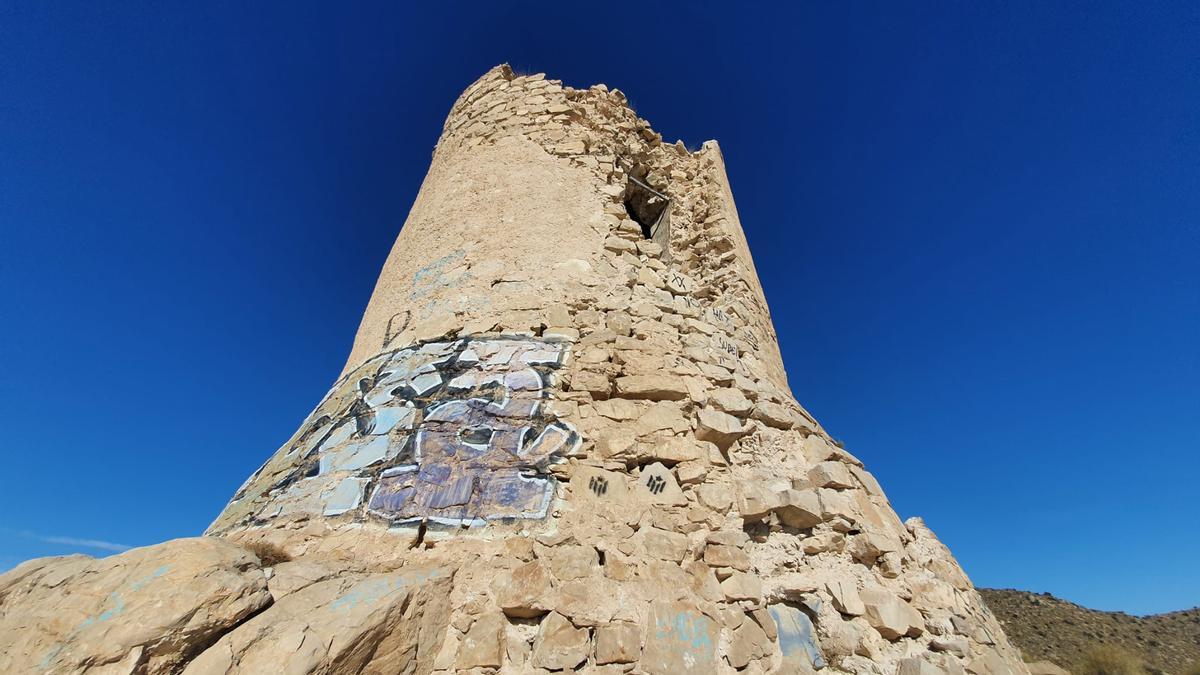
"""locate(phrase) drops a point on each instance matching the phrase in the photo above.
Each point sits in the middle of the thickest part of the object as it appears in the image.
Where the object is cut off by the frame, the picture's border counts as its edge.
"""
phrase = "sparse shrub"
(269, 554)
(1108, 660)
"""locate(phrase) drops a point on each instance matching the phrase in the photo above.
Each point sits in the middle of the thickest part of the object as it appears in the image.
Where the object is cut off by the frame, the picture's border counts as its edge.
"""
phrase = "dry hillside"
(1044, 627)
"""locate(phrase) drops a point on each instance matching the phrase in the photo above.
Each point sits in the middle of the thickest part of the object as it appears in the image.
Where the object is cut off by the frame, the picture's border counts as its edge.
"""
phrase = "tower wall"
(581, 418)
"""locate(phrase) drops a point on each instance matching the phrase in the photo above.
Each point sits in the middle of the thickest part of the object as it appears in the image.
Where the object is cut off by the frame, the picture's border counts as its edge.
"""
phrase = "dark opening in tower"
(650, 209)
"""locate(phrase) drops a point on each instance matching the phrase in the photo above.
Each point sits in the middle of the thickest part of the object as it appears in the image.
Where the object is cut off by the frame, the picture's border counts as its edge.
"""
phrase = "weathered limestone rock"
(798, 508)
(845, 597)
(831, 475)
(742, 586)
(918, 666)
(797, 639)
(154, 607)
(679, 639)
(559, 644)
(376, 623)
(891, 616)
(483, 644)
(653, 387)
(523, 592)
(749, 642)
(619, 642)
(563, 440)
(718, 427)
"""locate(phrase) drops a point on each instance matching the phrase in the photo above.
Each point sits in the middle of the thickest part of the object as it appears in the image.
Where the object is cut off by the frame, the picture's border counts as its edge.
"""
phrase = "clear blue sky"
(976, 224)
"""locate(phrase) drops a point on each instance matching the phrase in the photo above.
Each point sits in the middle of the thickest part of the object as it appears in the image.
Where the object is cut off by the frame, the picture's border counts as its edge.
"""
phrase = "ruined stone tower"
(564, 441)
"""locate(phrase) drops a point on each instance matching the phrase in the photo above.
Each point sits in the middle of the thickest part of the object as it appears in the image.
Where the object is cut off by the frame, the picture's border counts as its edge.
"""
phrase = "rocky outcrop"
(148, 610)
(205, 605)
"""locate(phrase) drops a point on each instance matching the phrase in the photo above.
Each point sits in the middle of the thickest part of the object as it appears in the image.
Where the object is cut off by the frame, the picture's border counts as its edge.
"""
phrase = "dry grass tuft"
(1108, 660)
(269, 554)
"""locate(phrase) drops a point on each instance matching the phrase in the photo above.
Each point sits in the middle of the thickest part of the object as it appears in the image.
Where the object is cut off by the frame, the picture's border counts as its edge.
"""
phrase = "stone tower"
(564, 441)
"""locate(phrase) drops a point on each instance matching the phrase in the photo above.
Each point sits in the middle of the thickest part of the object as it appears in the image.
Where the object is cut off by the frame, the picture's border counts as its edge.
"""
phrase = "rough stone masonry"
(563, 441)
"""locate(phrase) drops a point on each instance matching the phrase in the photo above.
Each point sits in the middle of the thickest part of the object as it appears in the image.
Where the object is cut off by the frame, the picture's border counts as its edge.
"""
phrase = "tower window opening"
(650, 209)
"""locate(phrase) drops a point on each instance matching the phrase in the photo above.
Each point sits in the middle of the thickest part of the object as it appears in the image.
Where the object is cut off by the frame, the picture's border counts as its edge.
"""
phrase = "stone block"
(559, 644)
(483, 645)
(679, 639)
(150, 605)
(845, 597)
(797, 639)
(573, 562)
(798, 508)
(748, 642)
(730, 400)
(891, 616)
(742, 586)
(619, 642)
(917, 666)
(525, 591)
(831, 475)
(775, 415)
(657, 485)
(719, 428)
(717, 555)
(651, 387)
(664, 545)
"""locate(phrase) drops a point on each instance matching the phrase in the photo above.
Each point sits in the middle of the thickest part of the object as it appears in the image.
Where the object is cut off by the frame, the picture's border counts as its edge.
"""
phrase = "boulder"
(380, 622)
(664, 545)
(797, 639)
(152, 608)
(748, 642)
(717, 555)
(730, 400)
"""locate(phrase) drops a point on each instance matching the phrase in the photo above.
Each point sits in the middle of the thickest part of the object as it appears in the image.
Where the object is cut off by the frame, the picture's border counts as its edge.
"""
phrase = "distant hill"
(1046, 628)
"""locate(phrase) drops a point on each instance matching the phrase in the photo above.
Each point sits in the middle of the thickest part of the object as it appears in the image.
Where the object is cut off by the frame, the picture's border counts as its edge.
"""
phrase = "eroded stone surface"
(151, 608)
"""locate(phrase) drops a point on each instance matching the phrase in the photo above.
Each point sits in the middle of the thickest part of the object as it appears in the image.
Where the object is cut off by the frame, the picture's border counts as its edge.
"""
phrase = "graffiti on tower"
(452, 432)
